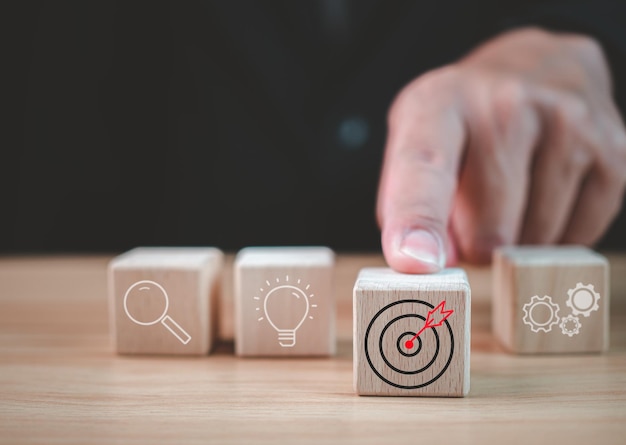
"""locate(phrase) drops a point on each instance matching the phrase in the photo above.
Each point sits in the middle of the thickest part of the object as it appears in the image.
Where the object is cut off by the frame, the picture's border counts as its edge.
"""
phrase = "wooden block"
(163, 300)
(551, 299)
(411, 333)
(284, 303)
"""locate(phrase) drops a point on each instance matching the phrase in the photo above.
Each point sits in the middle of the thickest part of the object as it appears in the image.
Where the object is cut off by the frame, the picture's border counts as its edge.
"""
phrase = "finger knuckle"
(426, 212)
(585, 45)
(580, 136)
(575, 159)
(510, 99)
(510, 93)
(426, 155)
(576, 134)
(575, 111)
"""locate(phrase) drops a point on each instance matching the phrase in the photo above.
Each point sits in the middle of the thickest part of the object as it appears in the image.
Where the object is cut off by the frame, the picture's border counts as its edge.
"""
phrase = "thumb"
(418, 184)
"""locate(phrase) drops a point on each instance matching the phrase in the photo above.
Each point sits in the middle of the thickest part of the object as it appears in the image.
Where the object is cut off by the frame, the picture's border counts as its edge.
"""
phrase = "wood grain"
(532, 289)
(284, 302)
(61, 381)
(164, 300)
(389, 310)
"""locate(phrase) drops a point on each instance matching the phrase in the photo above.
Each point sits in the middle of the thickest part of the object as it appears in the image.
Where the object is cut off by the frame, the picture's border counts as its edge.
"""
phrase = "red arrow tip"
(433, 319)
(437, 316)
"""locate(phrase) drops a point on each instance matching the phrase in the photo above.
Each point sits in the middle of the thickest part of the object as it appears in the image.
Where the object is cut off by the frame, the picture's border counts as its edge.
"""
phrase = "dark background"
(228, 123)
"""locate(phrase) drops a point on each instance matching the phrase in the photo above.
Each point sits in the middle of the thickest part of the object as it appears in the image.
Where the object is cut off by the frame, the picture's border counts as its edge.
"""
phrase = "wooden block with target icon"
(284, 302)
(551, 299)
(412, 333)
(164, 300)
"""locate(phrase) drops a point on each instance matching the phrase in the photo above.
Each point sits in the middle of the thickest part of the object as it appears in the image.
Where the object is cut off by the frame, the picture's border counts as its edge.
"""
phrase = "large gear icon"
(570, 325)
(545, 326)
(583, 299)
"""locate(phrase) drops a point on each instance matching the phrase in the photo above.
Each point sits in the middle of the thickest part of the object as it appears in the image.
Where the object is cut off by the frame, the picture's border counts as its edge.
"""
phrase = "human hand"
(519, 142)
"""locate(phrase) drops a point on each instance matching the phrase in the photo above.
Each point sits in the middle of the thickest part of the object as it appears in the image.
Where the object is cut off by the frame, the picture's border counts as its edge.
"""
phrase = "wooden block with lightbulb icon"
(284, 302)
(411, 333)
(163, 300)
(551, 299)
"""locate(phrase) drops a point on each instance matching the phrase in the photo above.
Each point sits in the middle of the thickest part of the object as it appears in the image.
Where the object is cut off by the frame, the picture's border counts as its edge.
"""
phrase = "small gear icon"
(583, 299)
(540, 325)
(570, 325)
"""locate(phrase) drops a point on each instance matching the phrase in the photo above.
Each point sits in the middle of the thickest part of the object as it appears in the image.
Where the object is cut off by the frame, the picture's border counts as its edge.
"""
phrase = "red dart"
(435, 318)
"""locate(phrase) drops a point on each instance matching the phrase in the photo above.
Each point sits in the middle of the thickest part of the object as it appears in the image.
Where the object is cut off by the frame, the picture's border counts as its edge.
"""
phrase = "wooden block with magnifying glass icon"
(284, 303)
(163, 300)
(411, 333)
(551, 299)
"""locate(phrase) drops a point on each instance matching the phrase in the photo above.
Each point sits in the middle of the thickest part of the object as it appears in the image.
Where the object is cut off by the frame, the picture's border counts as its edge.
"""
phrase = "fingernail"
(424, 246)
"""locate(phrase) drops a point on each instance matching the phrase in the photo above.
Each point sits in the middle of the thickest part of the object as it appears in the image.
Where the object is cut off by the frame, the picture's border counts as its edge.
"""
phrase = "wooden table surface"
(60, 380)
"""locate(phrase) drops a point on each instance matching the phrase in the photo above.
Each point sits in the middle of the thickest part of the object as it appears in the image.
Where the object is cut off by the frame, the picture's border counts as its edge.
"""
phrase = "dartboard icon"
(406, 347)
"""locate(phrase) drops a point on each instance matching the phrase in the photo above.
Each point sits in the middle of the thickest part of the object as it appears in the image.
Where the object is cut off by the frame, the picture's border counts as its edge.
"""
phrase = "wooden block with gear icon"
(284, 302)
(551, 299)
(164, 300)
(411, 333)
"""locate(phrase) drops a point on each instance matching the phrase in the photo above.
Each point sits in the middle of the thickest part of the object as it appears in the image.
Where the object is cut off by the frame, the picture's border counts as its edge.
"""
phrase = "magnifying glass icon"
(154, 296)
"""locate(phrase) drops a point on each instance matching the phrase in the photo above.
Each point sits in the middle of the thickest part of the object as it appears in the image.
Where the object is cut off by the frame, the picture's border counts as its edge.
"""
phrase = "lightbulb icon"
(286, 307)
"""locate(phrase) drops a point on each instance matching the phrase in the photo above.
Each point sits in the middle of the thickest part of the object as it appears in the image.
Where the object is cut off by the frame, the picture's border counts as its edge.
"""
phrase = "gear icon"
(570, 325)
(541, 325)
(583, 299)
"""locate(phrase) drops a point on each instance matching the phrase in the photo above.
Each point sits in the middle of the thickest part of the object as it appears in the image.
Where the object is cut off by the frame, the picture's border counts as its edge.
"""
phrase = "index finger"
(419, 178)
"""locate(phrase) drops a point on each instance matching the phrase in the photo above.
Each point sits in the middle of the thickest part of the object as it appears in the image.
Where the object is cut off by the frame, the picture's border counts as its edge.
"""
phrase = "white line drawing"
(535, 302)
(287, 334)
(570, 325)
(166, 320)
(583, 299)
